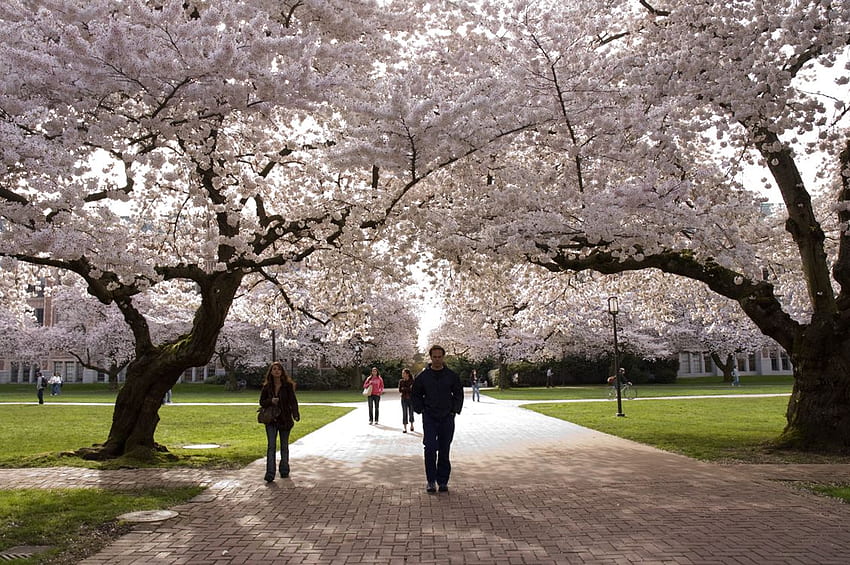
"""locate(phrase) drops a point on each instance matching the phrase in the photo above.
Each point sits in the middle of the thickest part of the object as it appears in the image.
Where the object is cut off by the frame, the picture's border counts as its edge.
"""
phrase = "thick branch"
(756, 298)
(654, 11)
(802, 223)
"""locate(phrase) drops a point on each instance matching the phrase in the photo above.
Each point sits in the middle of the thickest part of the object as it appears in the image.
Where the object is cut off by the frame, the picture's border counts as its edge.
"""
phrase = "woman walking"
(279, 390)
(476, 387)
(405, 387)
(376, 383)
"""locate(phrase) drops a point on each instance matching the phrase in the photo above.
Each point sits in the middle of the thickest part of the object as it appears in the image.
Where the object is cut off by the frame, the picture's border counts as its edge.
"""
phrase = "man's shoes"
(411, 427)
(269, 478)
(431, 487)
(444, 488)
(370, 422)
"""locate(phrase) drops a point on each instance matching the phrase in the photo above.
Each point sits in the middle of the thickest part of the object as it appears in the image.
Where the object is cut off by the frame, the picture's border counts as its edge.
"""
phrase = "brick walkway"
(525, 489)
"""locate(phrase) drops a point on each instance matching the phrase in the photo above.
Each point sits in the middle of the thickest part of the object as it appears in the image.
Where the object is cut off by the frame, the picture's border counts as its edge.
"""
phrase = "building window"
(685, 363)
(786, 362)
(774, 360)
(70, 371)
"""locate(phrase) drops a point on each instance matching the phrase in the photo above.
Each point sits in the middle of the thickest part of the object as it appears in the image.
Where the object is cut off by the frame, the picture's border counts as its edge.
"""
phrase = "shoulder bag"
(268, 414)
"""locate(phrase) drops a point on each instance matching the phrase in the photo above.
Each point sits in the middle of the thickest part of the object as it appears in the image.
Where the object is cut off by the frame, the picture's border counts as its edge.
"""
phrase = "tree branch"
(756, 298)
(654, 11)
(802, 223)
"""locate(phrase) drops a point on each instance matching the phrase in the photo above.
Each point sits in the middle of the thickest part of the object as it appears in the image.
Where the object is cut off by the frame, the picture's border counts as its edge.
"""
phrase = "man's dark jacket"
(437, 393)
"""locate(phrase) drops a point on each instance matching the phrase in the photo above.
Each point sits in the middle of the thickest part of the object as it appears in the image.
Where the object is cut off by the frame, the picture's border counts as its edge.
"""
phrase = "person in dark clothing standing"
(40, 385)
(405, 389)
(279, 390)
(438, 396)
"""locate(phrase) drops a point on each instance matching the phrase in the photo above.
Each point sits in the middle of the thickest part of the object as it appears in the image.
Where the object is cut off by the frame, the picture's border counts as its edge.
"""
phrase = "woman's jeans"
(476, 395)
(375, 400)
(272, 432)
(407, 411)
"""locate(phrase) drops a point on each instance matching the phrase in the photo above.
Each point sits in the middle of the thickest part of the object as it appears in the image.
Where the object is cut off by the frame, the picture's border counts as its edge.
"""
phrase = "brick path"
(525, 489)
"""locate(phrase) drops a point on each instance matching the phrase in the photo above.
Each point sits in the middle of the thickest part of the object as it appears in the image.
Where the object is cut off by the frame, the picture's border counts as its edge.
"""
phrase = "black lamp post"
(614, 309)
(274, 345)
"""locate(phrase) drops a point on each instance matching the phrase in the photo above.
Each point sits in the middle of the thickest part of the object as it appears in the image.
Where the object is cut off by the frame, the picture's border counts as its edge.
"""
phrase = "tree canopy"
(223, 145)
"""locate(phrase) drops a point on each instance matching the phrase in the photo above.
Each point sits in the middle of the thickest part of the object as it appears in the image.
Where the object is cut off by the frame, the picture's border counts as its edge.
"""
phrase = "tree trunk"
(156, 369)
(504, 379)
(229, 365)
(112, 378)
(819, 410)
(136, 413)
(725, 367)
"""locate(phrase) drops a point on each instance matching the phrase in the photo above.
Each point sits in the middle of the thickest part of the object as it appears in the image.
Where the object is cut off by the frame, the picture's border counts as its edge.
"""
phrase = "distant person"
(405, 389)
(167, 398)
(40, 385)
(279, 390)
(549, 377)
(476, 386)
(55, 382)
(736, 380)
(375, 381)
(438, 396)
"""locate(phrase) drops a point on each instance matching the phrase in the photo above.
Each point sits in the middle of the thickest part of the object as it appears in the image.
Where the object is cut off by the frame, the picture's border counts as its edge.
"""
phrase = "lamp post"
(614, 309)
(274, 345)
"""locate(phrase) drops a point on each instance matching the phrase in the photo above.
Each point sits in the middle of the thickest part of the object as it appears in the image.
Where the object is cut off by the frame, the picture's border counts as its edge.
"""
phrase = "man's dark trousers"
(437, 438)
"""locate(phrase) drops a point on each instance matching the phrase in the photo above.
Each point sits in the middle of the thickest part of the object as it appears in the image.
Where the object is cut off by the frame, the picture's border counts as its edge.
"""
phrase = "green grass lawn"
(717, 429)
(75, 523)
(183, 392)
(36, 436)
(707, 386)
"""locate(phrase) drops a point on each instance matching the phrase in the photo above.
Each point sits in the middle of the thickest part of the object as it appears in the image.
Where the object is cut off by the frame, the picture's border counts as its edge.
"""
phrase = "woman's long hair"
(267, 381)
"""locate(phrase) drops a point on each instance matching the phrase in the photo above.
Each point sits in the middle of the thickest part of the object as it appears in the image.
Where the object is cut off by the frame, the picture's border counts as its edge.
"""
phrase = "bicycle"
(627, 390)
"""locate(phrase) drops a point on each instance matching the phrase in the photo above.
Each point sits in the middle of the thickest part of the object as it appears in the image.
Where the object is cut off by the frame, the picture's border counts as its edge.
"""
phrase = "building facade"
(24, 371)
(767, 361)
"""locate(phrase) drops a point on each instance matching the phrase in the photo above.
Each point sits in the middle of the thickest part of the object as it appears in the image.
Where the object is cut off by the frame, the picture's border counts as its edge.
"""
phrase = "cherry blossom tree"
(153, 142)
(220, 145)
(93, 333)
(387, 330)
(16, 318)
(240, 344)
(648, 121)
(490, 312)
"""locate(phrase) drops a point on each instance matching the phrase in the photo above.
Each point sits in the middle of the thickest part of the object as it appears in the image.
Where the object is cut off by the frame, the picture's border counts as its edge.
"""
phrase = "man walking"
(438, 396)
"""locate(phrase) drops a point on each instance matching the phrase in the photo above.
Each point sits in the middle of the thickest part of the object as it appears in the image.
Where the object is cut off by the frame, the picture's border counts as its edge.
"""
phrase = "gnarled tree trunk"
(136, 413)
(819, 410)
(157, 368)
(725, 367)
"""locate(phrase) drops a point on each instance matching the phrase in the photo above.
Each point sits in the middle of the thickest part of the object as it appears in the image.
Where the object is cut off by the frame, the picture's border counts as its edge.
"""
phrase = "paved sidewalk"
(525, 489)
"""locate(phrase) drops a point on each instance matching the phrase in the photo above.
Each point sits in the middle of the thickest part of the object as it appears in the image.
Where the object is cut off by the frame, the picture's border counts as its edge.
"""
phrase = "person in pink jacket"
(375, 381)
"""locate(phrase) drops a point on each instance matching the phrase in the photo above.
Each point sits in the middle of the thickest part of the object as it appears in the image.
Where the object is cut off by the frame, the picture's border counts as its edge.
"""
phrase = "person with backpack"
(40, 385)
